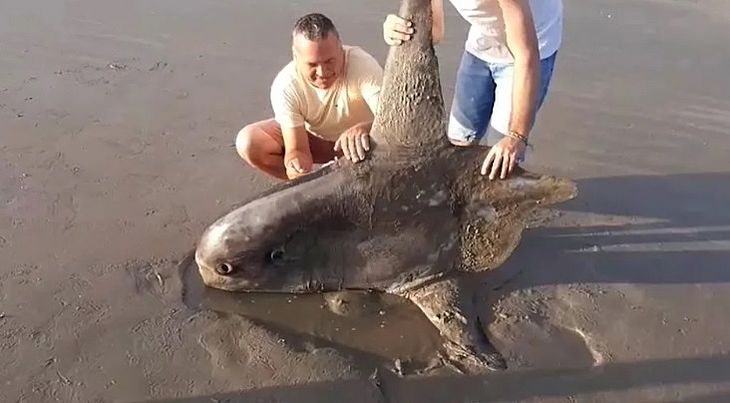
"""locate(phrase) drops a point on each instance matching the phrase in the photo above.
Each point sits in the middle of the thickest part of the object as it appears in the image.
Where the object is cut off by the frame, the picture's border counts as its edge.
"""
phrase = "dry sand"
(116, 129)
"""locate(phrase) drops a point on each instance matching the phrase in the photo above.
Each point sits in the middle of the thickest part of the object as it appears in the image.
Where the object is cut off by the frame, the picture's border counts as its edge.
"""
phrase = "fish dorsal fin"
(410, 111)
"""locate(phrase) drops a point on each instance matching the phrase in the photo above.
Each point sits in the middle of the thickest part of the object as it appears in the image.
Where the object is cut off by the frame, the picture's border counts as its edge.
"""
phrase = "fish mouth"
(248, 286)
(233, 284)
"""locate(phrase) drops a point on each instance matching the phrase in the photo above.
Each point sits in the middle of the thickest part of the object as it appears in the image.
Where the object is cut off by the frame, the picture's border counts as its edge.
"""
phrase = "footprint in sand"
(225, 342)
(544, 345)
(243, 352)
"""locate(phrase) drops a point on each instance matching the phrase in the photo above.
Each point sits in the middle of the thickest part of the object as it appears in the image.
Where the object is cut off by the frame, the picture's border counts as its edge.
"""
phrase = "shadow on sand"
(639, 229)
(671, 229)
(506, 386)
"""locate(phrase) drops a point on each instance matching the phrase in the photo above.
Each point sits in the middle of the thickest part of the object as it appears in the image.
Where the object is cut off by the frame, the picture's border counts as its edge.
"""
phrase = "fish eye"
(275, 256)
(224, 269)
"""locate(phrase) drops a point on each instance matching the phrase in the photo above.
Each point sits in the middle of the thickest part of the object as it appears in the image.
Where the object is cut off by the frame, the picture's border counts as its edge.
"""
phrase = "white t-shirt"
(487, 40)
(327, 113)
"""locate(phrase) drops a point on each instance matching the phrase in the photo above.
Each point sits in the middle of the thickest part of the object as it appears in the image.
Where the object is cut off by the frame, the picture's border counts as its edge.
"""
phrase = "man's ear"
(293, 46)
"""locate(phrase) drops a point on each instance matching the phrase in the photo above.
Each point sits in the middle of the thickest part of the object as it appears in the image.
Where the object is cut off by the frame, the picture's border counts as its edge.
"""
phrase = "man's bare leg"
(261, 145)
(323, 151)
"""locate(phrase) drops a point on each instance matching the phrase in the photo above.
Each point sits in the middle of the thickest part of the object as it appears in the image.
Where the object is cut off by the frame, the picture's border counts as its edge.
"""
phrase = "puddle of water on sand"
(375, 326)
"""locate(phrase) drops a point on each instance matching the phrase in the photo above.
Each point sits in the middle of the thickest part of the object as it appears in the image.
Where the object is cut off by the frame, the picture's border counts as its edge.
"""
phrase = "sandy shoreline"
(116, 135)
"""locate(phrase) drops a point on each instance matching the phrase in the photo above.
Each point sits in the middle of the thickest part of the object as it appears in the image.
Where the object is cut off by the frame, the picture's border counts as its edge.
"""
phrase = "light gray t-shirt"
(486, 38)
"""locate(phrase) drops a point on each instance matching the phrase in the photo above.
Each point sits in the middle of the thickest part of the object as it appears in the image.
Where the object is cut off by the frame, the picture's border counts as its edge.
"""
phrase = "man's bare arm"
(297, 154)
(522, 43)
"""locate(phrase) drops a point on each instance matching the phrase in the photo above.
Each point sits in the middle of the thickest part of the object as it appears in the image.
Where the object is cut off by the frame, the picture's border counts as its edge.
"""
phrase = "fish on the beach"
(415, 219)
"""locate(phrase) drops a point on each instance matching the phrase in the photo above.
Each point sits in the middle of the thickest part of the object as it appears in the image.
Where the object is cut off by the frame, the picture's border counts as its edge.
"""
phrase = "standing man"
(504, 74)
(324, 104)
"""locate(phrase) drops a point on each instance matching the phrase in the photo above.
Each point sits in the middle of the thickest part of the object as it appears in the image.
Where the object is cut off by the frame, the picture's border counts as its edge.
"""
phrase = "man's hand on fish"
(503, 157)
(297, 163)
(396, 30)
(355, 142)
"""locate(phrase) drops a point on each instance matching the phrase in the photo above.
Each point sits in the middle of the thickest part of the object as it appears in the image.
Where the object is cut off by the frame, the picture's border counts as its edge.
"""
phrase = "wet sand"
(117, 122)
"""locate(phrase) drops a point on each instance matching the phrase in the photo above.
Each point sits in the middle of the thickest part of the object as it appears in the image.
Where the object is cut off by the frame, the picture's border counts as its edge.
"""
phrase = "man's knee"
(462, 135)
(246, 142)
(460, 143)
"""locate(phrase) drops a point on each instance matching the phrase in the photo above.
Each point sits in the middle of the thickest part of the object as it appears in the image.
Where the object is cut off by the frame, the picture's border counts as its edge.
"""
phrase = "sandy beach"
(117, 123)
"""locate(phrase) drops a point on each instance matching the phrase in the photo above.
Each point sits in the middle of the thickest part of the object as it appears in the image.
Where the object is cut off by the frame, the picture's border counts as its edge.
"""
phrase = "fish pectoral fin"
(450, 306)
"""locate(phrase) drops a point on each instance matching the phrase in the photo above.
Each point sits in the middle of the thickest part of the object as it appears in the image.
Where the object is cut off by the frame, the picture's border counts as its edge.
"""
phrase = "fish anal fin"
(450, 307)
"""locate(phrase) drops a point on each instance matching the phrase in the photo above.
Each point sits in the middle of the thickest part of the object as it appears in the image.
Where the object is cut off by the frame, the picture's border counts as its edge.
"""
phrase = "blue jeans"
(483, 99)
